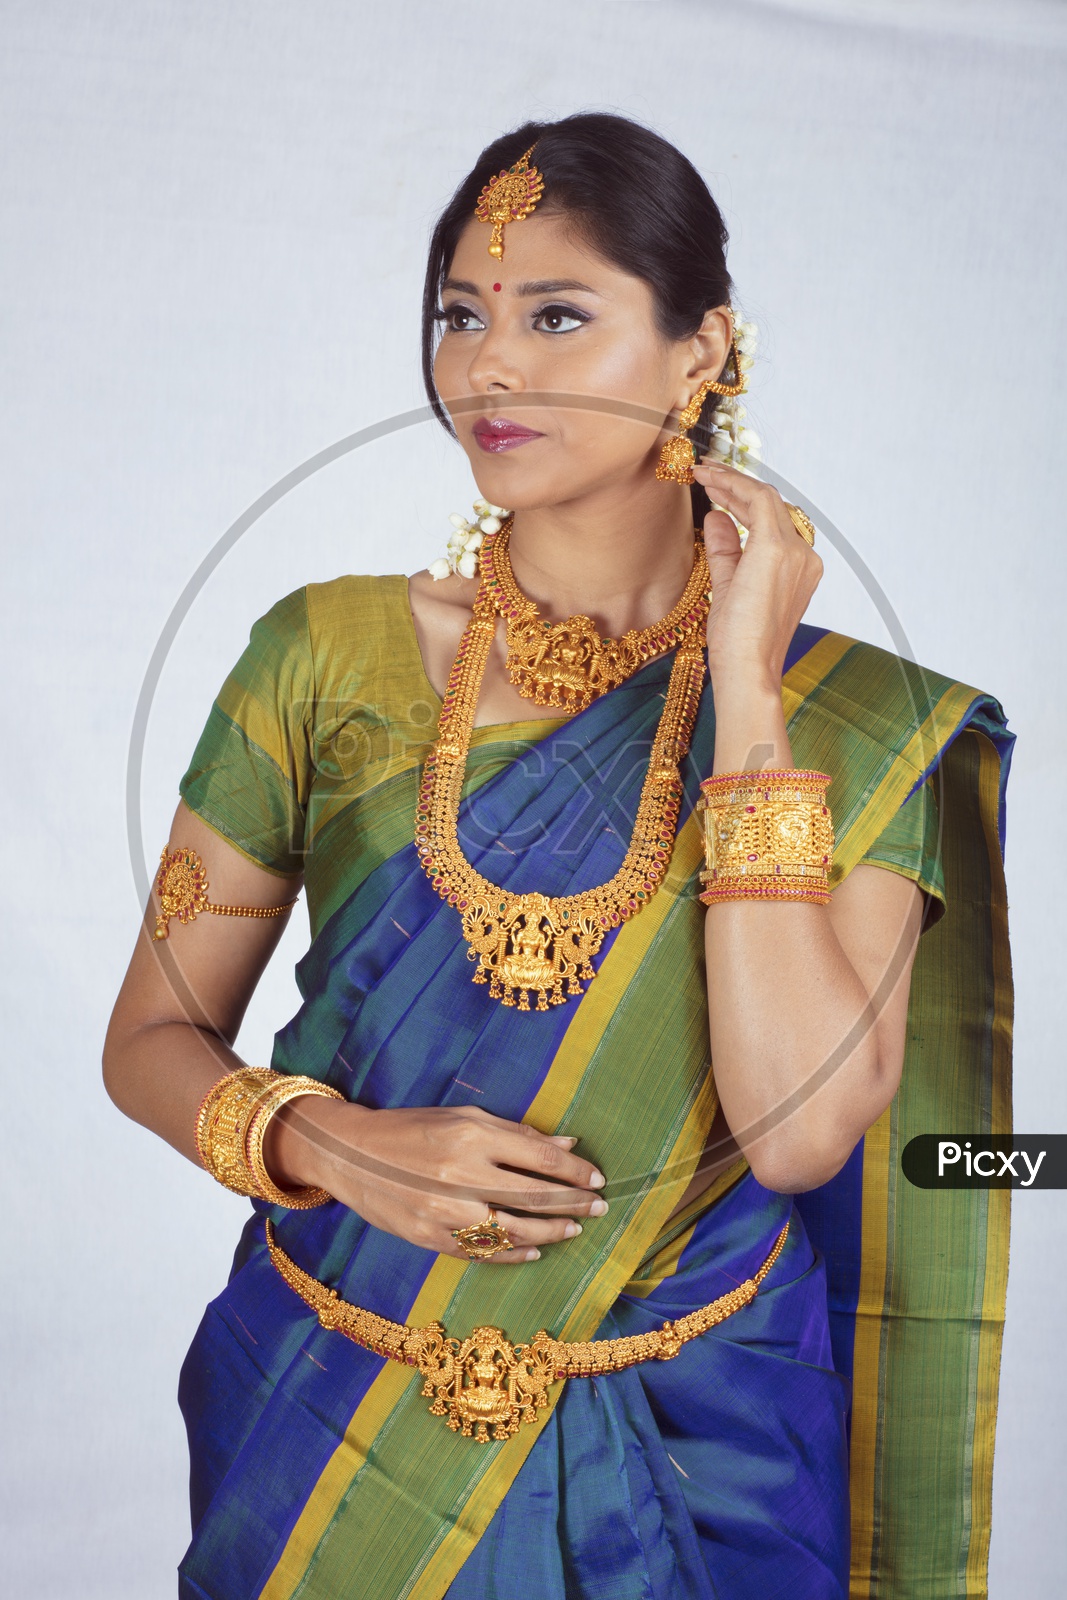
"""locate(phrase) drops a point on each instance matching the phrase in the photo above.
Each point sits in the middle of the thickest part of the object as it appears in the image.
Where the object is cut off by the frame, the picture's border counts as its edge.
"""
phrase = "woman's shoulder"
(881, 686)
(356, 600)
(348, 635)
(355, 611)
(875, 718)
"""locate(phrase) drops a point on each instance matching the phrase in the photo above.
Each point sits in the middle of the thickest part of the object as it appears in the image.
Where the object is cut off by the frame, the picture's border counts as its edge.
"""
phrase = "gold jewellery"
(482, 1240)
(182, 887)
(485, 1381)
(231, 1125)
(677, 458)
(509, 197)
(531, 944)
(804, 525)
(567, 663)
(767, 836)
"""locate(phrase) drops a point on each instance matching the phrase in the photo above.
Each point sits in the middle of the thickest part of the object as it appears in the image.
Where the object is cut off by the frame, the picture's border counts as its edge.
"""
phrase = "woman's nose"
(495, 364)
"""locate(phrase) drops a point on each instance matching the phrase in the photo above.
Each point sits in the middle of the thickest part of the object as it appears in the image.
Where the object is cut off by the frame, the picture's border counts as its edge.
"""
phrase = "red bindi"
(496, 286)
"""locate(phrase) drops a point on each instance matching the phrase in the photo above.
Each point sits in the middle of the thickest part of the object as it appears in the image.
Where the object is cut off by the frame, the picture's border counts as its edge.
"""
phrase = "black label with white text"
(986, 1161)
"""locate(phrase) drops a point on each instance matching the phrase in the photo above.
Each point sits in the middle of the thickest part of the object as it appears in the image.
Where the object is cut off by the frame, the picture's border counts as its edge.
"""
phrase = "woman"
(546, 1148)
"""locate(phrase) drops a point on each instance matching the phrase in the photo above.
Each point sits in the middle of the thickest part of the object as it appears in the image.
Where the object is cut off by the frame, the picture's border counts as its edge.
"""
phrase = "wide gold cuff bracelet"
(767, 836)
(485, 1381)
(230, 1128)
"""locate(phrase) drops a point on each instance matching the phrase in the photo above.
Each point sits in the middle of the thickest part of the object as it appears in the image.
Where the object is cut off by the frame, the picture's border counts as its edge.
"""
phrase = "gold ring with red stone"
(483, 1239)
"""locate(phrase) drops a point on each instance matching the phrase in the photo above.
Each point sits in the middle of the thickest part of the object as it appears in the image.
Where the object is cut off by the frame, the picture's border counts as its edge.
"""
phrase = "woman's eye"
(460, 319)
(558, 319)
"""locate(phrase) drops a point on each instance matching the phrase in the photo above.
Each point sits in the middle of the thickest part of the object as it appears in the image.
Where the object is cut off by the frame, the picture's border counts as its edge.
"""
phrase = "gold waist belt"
(484, 1381)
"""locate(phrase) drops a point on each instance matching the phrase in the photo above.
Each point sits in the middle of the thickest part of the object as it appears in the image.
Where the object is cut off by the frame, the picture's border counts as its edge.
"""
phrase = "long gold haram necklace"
(530, 943)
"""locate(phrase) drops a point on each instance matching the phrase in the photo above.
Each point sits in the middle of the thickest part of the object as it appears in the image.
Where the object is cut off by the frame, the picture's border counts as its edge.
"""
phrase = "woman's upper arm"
(877, 916)
(205, 971)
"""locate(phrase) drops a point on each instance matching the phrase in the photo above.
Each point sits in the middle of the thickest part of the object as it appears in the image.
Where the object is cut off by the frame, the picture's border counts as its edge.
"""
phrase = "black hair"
(641, 203)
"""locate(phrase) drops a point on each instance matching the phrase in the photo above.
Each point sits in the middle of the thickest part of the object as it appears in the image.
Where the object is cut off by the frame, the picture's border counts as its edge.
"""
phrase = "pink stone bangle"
(723, 784)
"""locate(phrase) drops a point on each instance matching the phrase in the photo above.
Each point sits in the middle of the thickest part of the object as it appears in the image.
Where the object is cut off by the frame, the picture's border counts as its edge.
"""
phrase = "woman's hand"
(420, 1172)
(759, 595)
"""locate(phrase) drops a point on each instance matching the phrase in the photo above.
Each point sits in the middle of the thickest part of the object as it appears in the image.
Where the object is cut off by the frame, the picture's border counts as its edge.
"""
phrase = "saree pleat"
(317, 1469)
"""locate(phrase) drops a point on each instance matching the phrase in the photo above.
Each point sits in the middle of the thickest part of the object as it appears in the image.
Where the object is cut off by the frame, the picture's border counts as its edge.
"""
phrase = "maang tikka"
(678, 457)
(509, 197)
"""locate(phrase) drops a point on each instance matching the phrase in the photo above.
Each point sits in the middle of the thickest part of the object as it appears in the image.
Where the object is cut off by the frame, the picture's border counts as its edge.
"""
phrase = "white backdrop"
(215, 218)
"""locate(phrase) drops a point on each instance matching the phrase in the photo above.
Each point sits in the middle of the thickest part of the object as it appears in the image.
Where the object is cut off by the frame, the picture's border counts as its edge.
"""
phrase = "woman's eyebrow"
(554, 286)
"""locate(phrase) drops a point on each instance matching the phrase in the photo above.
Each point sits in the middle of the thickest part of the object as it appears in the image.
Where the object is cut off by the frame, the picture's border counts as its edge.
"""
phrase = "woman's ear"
(710, 345)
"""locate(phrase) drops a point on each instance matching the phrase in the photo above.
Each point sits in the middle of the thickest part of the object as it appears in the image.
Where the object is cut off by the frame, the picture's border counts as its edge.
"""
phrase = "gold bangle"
(182, 887)
(222, 1125)
(284, 1089)
(767, 836)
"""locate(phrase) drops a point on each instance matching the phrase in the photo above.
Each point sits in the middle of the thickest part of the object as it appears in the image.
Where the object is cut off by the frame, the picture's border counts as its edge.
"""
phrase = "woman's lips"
(496, 434)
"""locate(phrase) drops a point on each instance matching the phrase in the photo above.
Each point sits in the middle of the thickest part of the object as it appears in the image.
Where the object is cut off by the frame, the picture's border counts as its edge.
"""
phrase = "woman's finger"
(520, 1192)
(534, 1233)
(545, 1158)
(721, 538)
(756, 505)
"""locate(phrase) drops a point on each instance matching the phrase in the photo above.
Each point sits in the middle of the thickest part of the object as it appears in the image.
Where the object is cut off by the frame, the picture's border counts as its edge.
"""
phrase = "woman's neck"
(622, 565)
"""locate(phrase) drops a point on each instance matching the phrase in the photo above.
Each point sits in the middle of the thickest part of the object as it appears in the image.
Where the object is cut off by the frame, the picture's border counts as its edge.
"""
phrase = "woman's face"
(555, 319)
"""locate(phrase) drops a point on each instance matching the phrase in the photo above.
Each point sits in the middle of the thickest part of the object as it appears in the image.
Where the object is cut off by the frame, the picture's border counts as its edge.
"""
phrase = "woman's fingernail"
(572, 1229)
(564, 1138)
(533, 1255)
(596, 1181)
(598, 1208)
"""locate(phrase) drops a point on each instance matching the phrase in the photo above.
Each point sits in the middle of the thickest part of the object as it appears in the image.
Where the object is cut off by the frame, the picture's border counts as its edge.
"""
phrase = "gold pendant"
(485, 1382)
(524, 945)
(566, 663)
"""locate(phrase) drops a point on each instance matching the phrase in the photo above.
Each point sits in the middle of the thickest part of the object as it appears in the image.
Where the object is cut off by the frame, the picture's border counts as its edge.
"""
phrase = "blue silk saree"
(832, 1438)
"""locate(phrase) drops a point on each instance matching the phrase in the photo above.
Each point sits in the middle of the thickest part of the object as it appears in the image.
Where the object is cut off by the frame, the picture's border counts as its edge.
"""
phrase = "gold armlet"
(767, 836)
(181, 884)
(232, 1122)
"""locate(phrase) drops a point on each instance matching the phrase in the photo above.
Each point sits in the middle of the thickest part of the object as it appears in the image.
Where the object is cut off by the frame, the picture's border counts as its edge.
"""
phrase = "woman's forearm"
(159, 1072)
(783, 997)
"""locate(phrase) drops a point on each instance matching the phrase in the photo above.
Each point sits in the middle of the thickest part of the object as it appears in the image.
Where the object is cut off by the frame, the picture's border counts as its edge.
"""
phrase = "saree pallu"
(318, 1470)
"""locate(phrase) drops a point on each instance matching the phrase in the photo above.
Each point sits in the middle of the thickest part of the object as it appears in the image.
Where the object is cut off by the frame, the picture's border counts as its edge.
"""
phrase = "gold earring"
(678, 457)
(736, 382)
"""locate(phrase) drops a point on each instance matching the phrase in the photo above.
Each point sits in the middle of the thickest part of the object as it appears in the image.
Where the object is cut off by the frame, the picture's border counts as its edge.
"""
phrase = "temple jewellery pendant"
(532, 945)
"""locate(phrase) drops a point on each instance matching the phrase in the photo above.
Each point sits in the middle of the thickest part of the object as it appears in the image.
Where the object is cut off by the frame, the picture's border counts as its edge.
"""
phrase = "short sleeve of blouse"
(909, 845)
(251, 770)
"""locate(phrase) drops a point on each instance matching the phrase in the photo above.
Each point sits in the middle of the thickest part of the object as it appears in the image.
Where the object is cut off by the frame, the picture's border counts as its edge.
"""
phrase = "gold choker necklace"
(567, 663)
(530, 943)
